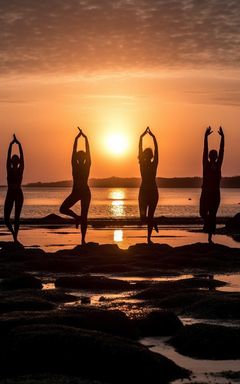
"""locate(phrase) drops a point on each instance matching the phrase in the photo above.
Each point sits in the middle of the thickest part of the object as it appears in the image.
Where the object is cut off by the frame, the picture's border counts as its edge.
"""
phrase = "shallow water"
(201, 369)
(123, 202)
(51, 240)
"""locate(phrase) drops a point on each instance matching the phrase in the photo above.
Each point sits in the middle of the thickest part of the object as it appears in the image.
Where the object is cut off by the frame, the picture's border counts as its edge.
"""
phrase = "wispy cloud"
(91, 35)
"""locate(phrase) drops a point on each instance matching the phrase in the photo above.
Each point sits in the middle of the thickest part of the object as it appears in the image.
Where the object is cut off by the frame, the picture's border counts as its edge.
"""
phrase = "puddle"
(233, 281)
(47, 286)
(201, 369)
(161, 278)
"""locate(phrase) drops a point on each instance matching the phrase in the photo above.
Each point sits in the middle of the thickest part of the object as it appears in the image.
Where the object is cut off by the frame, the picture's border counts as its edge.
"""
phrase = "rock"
(233, 224)
(57, 295)
(23, 301)
(93, 283)
(85, 300)
(17, 252)
(67, 350)
(22, 281)
(205, 341)
(47, 379)
(113, 322)
(149, 249)
(159, 323)
(166, 288)
(218, 305)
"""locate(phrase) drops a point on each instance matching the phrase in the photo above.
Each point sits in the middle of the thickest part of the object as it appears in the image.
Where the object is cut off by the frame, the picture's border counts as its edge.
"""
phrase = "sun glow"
(117, 144)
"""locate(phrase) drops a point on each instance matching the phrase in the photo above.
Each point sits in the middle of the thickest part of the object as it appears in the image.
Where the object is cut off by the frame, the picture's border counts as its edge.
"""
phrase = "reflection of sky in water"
(117, 204)
(118, 235)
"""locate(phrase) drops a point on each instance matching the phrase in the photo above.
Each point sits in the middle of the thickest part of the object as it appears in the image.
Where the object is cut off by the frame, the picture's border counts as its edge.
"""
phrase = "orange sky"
(177, 87)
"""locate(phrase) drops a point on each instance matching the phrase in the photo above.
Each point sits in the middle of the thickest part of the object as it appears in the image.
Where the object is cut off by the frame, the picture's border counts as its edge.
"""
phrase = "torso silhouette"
(80, 172)
(14, 176)
(211, 176)
(148, 172)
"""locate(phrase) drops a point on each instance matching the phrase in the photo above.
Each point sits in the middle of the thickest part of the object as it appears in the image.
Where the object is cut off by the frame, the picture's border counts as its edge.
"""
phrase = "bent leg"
(67, 204)
(18, 208)
(85, 202)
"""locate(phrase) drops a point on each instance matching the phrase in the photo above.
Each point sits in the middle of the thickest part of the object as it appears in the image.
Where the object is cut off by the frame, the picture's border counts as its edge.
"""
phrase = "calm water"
(121, 202)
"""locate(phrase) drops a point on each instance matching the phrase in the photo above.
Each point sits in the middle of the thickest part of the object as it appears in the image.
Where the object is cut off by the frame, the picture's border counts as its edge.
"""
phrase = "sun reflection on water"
(117, 204)
(118, 194)
(118, 235)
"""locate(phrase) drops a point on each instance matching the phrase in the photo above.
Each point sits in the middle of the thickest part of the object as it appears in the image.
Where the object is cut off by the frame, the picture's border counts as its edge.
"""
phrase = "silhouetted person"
(81, 162)
(15, 168)
(148, 193)
(210, 197)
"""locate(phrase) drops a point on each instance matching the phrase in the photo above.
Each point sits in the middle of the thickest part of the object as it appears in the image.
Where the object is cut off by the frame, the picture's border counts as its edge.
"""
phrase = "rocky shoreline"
(62, 335)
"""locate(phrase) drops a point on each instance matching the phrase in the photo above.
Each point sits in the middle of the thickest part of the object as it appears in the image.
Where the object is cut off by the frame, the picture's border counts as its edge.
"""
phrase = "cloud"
(95, 36)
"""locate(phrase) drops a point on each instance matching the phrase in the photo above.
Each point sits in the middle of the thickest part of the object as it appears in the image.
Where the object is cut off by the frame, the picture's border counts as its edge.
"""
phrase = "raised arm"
(221, 149)
(155, 158)
(9, 155)
(87, 149)
(140, 145)
(205, 147)
(74, 151)
(20, 152)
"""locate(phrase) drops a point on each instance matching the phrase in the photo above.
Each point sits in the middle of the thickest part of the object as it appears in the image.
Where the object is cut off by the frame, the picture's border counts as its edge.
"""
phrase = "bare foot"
(210, 239)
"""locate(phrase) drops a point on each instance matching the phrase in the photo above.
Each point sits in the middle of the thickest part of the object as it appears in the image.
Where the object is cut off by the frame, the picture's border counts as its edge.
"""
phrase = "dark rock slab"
(47, 379)
(233, 224)
(219, 305)
(11, 301)
(159, 323)
(16, 251)
(67, 350)
(165, 288)
(113, 322)
(94, 283)
(21, 281)
(205, 341)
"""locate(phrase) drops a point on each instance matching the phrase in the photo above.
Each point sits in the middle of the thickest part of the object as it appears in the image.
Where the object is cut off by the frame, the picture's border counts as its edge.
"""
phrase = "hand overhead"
(79, 133)
(208, 131)
(220, 131)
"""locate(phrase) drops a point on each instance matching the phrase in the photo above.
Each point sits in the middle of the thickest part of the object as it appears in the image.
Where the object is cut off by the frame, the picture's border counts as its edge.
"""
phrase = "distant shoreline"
(134, 182)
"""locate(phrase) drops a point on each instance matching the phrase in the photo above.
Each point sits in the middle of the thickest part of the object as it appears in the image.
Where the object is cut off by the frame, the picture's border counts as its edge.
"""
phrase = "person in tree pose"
(210, 196)
(15, 168)
(148, 193)
(81, 163)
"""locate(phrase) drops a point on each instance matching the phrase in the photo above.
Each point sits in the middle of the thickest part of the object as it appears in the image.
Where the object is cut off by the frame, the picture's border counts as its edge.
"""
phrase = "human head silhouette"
(213, 155)
(147, 154)
(81, 157)
(15, 160)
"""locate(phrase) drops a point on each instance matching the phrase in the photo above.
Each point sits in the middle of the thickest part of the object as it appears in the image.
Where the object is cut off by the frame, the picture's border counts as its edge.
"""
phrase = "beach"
(173, 305)
(154, 297)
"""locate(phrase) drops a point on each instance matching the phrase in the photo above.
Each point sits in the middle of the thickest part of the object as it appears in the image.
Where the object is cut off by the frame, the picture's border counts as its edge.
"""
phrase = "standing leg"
(8, 206)
(204, 210)
(67, 204)
(85, 202)
(142, 203)
(18, 208)
(151, 211)
(215, 202)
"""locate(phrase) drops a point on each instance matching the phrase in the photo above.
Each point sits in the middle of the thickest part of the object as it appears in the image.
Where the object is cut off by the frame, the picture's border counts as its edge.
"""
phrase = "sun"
(116, 143)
